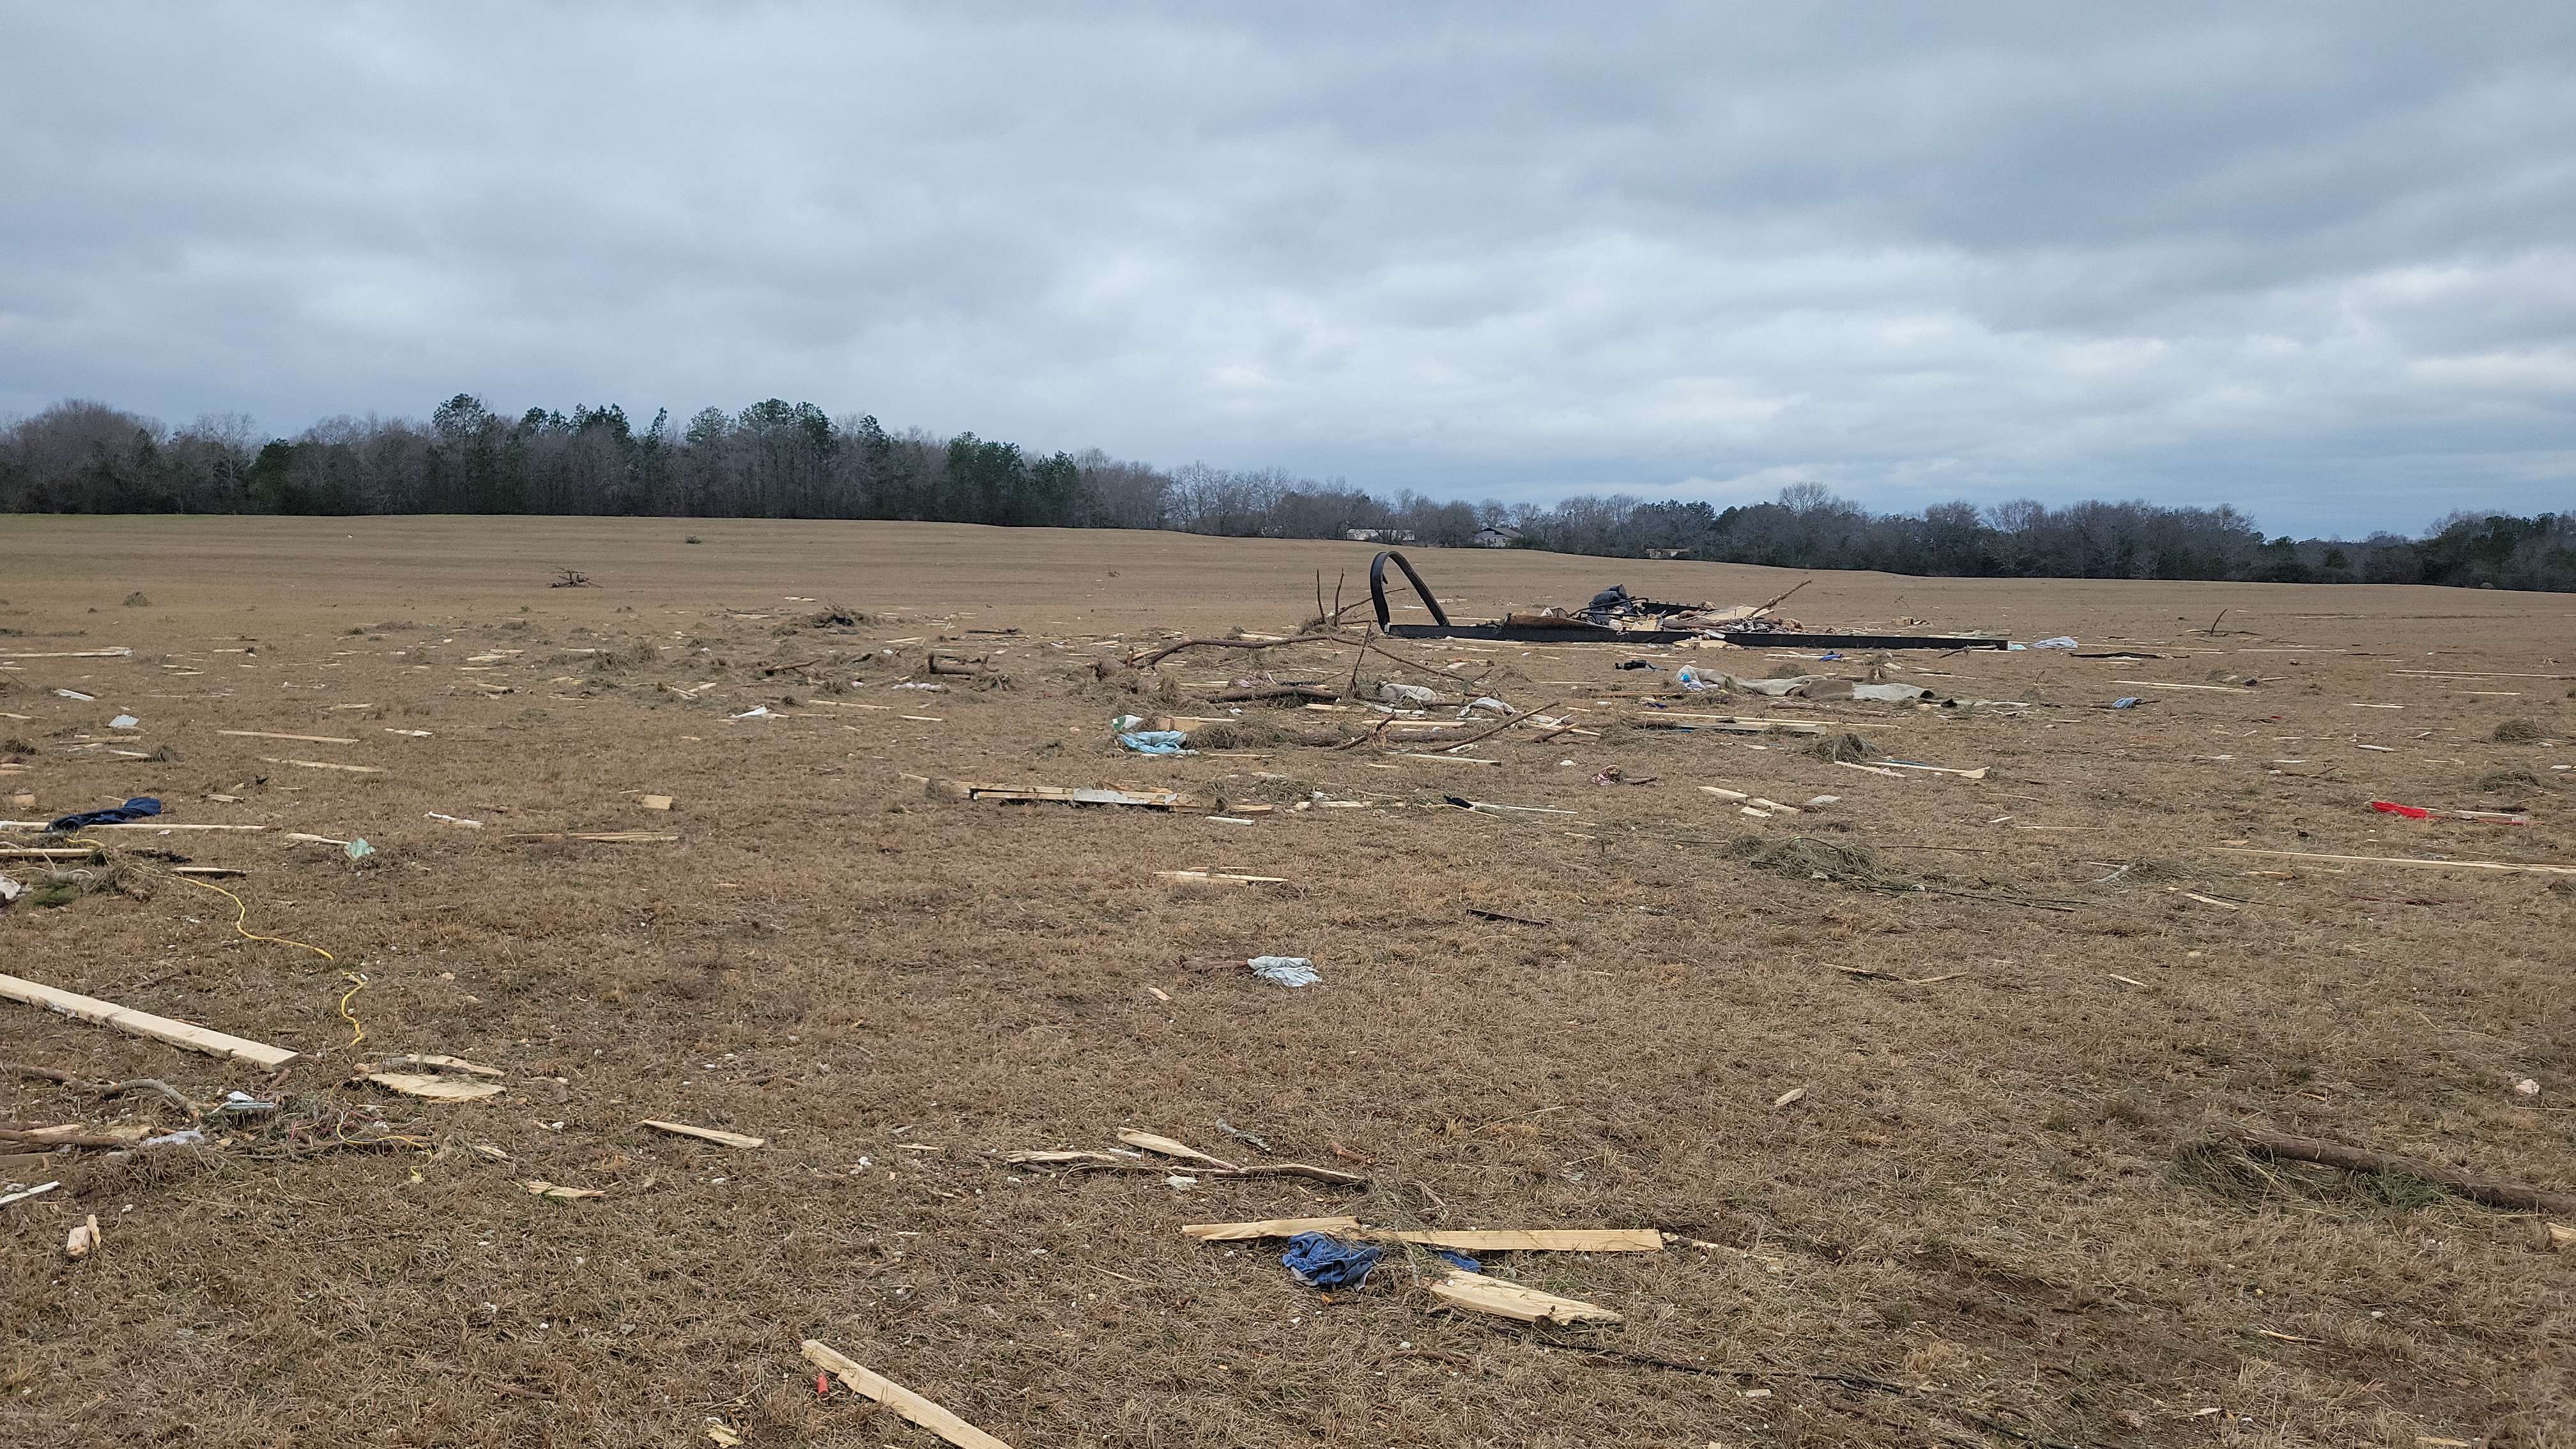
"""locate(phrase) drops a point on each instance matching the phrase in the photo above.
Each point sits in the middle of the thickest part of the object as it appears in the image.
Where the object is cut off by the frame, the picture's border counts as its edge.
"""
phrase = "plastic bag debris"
(2062, 641)
(1487, 703)
(1689, 677)
(357, 850)
(2128, 701)
(125, 722)
(1154, 742)
(1394, 693)
(188, 1137)
(757, 711)
(1285, 970)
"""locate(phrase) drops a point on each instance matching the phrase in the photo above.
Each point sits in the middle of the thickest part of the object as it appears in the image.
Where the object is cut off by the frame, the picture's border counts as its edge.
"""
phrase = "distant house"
(1380, 535)
(1668, 553)
(1495, 536)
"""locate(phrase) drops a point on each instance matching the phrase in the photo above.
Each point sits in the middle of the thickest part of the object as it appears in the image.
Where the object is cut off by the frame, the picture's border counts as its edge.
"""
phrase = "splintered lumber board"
(705, 1134)
(143, 1023)
(1475, 1291)
(1060, 794)
(2408, 860)
(906, 1403)
(1465, 1240)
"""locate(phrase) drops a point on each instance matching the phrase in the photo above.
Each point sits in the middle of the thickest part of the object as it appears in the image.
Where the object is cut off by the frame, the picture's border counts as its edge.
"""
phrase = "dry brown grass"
(1990, 1195)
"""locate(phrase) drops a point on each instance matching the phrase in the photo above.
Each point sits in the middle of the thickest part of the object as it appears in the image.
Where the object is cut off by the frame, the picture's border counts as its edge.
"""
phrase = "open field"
(1997, 1214)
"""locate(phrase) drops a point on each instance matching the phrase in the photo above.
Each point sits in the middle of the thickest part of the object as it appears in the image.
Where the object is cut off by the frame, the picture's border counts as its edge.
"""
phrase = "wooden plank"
(1202, 877)
(1536, 1240)
(302, 739)
(143, 1023)
(72, 654)
(558, 1192)
(1465, 1240)
(1269, 1228)
(602, 837)
(705, 1134)
(326, 765)
(435, 1088)
(905, 1403)
(1478, 1293)
(1166, 1147)
(1061, 794)
(2408, 860)
(128, 825)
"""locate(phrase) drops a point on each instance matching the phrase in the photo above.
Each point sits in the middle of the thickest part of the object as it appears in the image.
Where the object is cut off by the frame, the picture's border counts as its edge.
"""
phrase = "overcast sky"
(2317, 261)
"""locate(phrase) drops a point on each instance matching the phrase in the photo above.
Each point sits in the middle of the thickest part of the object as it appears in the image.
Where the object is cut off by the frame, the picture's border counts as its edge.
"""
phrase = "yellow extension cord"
(357, 982)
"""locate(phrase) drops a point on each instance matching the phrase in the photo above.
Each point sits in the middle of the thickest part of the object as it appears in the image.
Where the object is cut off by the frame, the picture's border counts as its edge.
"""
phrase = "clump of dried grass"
(2519, 732)
(2508, 780)
(633, 654)
(1803, 857)
(1843, 748)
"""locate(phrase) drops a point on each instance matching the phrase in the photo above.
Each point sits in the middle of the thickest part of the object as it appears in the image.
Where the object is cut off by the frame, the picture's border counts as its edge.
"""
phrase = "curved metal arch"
(1421, 590)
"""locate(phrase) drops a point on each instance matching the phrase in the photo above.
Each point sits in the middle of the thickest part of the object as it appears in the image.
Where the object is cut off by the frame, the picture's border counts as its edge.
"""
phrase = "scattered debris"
(143, 1023)
(557, 1192)
(1320, 1260)
(326, 765)
(1480, 1294)
(2418, 812)
(654, 802)
(596, 837)
(905, 1403)
(1470, 1240)
(433, 1087)
(83, 1239)
(1285, 970)
(300, 739)
(139, 808)
(39, 1190)
(2406, 860)
(705, 1134)
(1150, 799)
(1202, 877)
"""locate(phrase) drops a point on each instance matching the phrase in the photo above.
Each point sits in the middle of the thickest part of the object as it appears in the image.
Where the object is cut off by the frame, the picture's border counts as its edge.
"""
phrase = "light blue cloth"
(1154, 742)
(1286, 970)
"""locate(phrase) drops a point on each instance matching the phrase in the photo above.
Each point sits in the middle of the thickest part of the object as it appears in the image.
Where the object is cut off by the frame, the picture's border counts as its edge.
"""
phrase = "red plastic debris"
(2411, 812)
(822, 1384)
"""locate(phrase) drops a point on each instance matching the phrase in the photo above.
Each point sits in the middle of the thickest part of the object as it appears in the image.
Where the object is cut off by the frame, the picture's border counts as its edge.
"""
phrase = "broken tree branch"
(2513, 1196)
(1148, 659)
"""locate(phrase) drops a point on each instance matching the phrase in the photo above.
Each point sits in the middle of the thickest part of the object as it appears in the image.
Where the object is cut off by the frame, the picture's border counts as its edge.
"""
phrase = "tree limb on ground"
(2513, 1196)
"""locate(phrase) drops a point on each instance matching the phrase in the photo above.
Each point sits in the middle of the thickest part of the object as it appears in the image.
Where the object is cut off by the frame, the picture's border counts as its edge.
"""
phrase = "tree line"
(774, 459)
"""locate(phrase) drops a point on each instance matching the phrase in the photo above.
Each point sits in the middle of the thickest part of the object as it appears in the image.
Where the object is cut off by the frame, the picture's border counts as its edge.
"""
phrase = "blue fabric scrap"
(134, 809)
(2127, 701)
(1320, 1260)
(1154, 742)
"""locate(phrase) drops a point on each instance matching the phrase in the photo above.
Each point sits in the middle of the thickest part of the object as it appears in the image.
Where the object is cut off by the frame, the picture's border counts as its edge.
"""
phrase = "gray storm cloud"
(2319, 262)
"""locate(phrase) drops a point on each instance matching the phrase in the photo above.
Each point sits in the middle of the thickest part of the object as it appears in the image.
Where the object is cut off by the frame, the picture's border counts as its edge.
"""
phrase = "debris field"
(656, 981)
